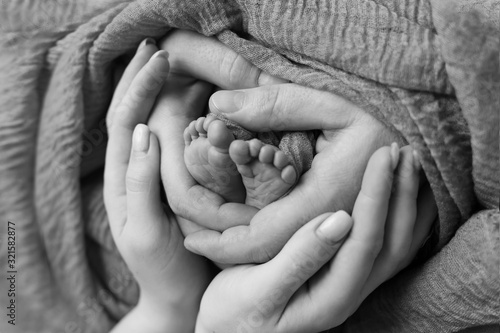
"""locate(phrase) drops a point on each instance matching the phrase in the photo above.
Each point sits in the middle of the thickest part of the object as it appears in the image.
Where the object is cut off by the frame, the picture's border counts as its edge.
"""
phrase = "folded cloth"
(427, 73)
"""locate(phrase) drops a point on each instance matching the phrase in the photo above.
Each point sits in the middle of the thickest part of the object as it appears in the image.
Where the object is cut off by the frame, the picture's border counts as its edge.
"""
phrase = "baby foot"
(266, 171)
(207, 158)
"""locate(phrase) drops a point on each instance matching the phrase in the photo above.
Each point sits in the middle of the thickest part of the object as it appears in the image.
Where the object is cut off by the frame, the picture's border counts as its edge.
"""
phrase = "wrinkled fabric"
(297, 146)
(457, 289)
(428, 71)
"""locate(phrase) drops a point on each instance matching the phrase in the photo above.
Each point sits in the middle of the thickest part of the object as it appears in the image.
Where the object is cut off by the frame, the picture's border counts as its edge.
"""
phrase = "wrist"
(177, 307)
(163, 318)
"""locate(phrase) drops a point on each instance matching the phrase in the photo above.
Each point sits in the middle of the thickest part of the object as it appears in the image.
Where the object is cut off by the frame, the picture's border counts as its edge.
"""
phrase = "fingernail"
(226, 101)
(394, 155)
(140, 141)
(160, 54)
(147, 41)
(416, 161)
(335, 227)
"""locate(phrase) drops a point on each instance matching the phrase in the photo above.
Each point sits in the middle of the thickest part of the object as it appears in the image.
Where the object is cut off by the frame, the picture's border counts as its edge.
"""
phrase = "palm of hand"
(340, 162)
(332, 184)
(163, 243)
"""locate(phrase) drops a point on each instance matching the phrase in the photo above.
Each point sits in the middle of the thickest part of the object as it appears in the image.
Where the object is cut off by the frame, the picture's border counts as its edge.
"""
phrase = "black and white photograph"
(249, 166)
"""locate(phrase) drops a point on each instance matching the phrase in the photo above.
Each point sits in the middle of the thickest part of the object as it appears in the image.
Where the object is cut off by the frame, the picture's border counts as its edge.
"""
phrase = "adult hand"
(349, 137)
(171, 279)
(303, 289)
(196, 60)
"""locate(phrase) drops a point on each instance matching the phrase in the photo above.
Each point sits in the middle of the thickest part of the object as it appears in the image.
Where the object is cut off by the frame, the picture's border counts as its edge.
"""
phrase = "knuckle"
(401, 254)
(369, 198)
(234, 67)
(281, 101)
(405, 178)
(176, 205)
(380, 189)
(137, 183)
(227, 65)
(370, 248)
(393, 255)
(259, 255)
(376, 247)
(405, 169)
(397, 257)
(123, 118)
(186, 204)
(152, 81)
(302, 264)
(146, 87)
(404, 189)
(268, 106)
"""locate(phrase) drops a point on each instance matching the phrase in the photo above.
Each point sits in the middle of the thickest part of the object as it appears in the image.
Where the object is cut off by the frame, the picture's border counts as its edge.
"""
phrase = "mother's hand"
(348, 138)
(194, 61)
(171, 279)
(303, 289)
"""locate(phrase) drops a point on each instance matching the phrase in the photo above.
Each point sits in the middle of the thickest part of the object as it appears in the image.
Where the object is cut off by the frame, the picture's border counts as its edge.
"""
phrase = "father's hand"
(349, 137)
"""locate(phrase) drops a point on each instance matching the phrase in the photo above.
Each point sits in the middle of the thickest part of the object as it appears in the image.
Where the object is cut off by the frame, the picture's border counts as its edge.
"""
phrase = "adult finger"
(257, 242)
(133, 109)
(321, 189)
(174, 111)
(307, 251)
(373, 200)
(284, 107)
(208, 59)
(143, 180)
(348, 272)
(400, 221)
(311, 247)
(144, 52)
(142, 92)
(427, 213)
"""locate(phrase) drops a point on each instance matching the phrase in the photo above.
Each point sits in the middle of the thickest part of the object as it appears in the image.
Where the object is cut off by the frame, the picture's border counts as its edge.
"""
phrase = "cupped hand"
(235, 233)
(348, 138)
(171, 279)
(302, 289)
(196, 63)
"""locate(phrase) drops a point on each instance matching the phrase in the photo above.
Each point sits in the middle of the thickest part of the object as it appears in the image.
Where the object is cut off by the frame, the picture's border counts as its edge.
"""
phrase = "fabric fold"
(427, 73)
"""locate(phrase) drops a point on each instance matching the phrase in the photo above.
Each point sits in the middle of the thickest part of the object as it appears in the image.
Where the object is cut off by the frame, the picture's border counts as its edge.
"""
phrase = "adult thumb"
(284, 107)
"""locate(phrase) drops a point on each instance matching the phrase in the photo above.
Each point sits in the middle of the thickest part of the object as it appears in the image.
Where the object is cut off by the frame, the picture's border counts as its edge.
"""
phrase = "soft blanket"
(428, 71)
